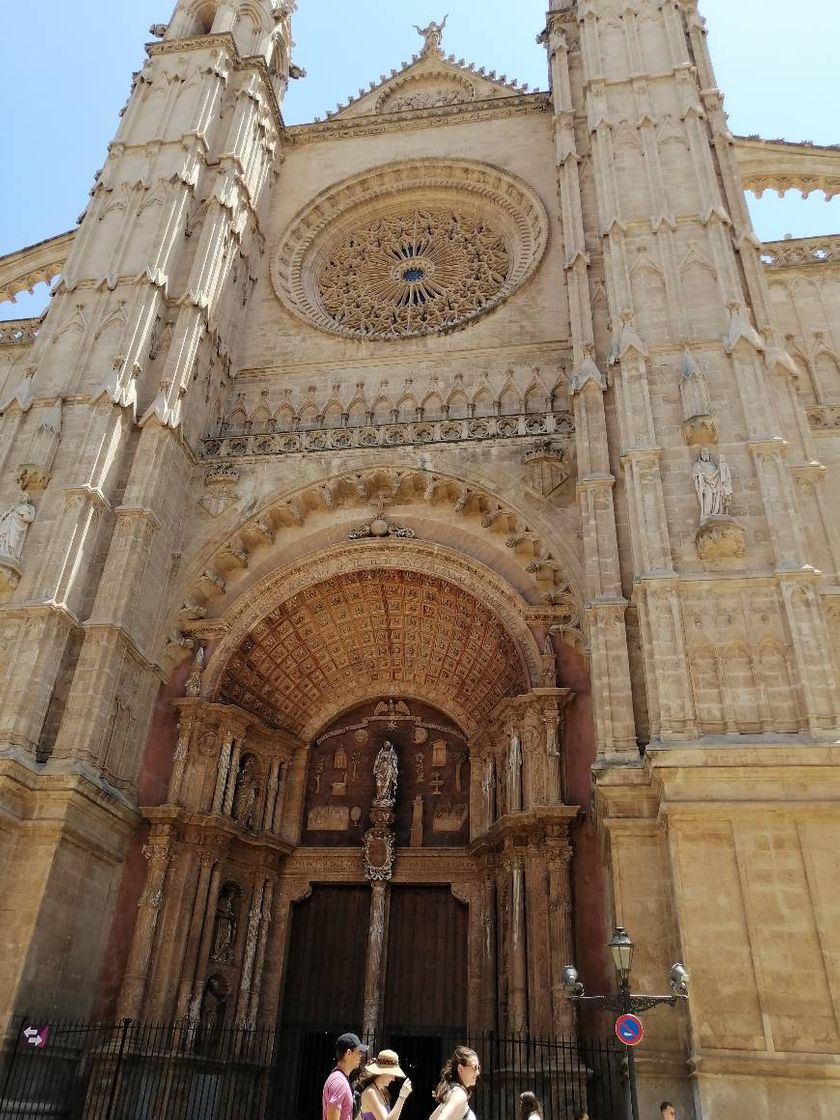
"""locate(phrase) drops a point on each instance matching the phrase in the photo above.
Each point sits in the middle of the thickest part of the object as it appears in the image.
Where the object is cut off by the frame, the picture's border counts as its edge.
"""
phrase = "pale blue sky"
(65, 71)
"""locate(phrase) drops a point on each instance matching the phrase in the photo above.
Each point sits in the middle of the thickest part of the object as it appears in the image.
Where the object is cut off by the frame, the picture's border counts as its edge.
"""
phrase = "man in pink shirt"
(337, 1098)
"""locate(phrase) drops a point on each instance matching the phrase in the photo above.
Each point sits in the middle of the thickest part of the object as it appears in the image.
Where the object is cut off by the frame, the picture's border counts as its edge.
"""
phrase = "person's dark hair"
(528, 1106)
(664, 1105)
(582, 1114)
(364, 1080)
(449, 1078)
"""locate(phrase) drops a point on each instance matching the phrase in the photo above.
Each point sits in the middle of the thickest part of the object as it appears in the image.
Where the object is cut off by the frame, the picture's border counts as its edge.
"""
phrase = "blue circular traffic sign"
(630, 1029)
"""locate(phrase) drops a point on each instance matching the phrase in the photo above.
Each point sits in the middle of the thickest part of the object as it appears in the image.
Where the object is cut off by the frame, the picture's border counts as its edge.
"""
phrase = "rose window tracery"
(414, 272)
(410, 249)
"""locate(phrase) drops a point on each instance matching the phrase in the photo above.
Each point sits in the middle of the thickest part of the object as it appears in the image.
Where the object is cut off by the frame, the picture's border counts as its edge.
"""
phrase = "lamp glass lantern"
(621, 949)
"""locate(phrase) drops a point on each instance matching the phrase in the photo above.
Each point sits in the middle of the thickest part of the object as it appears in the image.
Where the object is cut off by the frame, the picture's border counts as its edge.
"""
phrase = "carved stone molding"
(523, 425)
(470, 236)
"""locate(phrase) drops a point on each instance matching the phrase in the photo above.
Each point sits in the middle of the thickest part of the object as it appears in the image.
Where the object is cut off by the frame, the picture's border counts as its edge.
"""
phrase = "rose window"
(410, 249)
(412, 273)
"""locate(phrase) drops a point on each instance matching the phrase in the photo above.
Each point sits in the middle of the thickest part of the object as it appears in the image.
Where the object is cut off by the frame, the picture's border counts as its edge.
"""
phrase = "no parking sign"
(630, 1029)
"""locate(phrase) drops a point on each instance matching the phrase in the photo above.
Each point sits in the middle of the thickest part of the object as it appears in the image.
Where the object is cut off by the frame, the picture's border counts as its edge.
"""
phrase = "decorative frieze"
(318, 440)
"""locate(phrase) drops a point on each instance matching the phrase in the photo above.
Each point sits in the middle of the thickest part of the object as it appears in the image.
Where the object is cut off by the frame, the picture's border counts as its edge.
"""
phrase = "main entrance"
(423, 986)
(387, 955)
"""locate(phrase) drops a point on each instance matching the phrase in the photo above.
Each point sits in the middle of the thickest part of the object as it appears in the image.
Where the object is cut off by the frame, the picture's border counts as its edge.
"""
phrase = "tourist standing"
(457, 1081)
(668, 1111)
(337, 1097)
(374, 1082)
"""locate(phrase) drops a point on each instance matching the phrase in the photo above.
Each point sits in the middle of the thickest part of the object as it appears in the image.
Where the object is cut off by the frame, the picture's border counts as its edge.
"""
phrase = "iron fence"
(175, 1071)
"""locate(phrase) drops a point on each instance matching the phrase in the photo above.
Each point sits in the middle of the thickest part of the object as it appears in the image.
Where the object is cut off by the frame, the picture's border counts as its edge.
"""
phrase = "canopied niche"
(433, 787)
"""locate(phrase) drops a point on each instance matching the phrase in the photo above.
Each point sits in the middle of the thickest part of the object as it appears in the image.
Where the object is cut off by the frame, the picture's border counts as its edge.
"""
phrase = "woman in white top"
(529, 1107)
(373, 1083)
(457, 1081)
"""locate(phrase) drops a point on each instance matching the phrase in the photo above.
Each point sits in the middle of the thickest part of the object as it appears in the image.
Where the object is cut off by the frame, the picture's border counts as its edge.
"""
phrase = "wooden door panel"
(426, 979)
(325, 976)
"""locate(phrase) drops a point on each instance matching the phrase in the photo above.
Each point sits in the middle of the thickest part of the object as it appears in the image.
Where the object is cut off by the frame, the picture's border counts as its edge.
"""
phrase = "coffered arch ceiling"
(387, 631)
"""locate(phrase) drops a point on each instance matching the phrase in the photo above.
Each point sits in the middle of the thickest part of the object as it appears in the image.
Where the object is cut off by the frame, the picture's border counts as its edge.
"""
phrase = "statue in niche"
(211, 1016)
(224, 930)
(694, 390)
(193, 685)
(432, 35)
(318, 772)
(14, 525)
(247, 790)
(713, 484)
(514, 774)
(385, 773)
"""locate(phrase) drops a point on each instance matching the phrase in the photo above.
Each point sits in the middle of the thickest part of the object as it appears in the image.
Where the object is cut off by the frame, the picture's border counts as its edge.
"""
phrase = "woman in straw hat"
(374, 1081)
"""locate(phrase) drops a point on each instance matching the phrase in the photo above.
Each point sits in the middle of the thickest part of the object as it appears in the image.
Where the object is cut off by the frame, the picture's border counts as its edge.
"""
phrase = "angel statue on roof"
(433, 35)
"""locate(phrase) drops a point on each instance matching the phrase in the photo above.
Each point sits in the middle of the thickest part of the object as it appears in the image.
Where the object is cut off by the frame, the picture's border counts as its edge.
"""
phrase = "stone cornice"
(220, 831)
(530, 826)
(340, 128)
(229, 714)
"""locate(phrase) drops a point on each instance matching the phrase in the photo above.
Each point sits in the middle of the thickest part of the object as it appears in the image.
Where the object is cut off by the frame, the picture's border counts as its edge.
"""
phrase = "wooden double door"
(424, 996)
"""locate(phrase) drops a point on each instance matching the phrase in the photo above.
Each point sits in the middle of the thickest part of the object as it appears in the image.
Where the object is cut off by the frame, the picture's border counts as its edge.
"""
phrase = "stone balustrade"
(795, 252)
(236, 446)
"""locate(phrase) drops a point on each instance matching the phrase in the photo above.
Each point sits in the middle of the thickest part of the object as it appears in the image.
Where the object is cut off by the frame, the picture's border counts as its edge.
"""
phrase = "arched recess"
(370, 619)
(538, 561)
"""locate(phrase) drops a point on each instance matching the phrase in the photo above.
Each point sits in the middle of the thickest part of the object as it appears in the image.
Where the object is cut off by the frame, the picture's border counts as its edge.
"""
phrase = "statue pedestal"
(721, 538)
(10, 572)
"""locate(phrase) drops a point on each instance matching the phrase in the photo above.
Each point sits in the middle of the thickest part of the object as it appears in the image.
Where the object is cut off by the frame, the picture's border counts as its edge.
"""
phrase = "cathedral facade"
(419, 552)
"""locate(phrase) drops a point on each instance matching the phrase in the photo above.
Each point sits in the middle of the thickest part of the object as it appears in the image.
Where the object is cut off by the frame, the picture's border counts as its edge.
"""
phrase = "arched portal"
(301, 685)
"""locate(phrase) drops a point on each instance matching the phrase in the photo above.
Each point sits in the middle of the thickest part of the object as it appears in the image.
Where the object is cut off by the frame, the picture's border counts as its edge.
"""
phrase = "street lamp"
(621, 949)
(625, 1002)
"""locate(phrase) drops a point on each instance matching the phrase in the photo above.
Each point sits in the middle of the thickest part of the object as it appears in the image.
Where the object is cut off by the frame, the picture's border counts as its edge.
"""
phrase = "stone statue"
(432, 34)
(247, 788)
(514, 774)
(13, 527)
(224, 933)
(193, 685)
(385, 772)
(713, 484)
(211, 1016)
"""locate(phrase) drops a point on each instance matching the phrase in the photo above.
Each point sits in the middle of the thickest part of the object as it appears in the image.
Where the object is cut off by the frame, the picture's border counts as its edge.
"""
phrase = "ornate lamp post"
(625, 1002)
